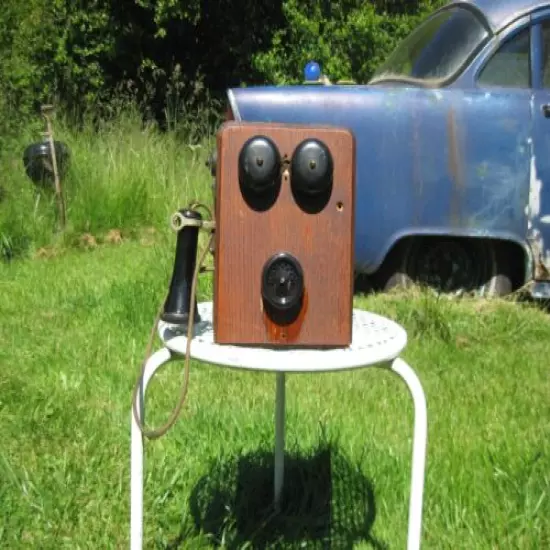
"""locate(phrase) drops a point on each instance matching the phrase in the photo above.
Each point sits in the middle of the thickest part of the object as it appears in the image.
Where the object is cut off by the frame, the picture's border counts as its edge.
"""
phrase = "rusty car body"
(453, 149)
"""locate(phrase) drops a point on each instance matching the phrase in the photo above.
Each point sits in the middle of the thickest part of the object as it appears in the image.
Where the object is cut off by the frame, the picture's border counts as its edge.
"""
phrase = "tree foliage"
(168, 53)
(350, 38)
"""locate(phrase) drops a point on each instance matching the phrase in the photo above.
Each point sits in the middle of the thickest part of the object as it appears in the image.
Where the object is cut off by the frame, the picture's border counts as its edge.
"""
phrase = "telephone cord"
(159, 432)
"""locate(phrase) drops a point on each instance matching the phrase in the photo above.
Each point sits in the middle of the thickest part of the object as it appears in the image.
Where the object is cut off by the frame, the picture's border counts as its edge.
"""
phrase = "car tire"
(478, 266)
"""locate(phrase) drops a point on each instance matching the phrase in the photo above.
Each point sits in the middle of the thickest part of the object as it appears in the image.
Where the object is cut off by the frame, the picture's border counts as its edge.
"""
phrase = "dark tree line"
(168, 53)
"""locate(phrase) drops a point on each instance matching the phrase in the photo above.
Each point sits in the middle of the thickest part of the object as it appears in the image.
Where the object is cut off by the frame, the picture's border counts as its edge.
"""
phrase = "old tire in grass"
(38, 162)
(449, 265)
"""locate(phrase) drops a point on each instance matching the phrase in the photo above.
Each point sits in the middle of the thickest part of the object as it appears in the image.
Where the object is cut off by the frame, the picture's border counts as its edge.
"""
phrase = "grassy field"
(73, 331)
(75, 313)
(123, 176)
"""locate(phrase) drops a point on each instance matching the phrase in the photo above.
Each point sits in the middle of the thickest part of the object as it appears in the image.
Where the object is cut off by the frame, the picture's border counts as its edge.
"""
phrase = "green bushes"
(349, 38)
(167, 52)
(52, 52)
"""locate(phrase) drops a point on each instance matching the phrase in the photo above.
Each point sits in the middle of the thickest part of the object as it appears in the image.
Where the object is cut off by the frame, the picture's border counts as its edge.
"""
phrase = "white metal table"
(376, 341)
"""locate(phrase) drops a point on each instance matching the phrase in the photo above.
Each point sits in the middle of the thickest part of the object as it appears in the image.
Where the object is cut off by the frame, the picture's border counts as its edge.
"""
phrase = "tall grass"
(124, 175)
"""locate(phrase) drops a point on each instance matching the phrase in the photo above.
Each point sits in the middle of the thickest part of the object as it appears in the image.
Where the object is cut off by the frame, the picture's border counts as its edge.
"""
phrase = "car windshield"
(436, 50)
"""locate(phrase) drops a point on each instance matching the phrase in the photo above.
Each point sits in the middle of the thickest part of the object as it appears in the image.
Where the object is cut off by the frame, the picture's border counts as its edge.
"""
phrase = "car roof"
(500, 13)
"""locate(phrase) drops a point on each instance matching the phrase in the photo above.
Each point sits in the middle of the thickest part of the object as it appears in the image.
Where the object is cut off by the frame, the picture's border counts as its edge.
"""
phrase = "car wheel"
(451, 266)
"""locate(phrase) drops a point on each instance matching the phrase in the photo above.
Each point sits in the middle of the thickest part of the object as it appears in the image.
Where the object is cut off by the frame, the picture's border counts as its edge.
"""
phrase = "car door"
(499, 128)
(539, 196)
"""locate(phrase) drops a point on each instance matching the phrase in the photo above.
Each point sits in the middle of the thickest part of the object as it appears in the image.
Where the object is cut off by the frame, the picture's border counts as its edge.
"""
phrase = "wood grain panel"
(322, 242)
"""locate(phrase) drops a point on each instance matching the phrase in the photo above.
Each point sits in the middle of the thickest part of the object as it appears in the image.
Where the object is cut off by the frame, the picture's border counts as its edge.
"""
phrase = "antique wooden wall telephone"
(283, 242)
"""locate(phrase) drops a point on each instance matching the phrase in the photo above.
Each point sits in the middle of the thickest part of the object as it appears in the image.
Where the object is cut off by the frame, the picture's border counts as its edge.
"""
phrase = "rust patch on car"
(537, 248)
(456, 167)
(541, 272)
(418, 182)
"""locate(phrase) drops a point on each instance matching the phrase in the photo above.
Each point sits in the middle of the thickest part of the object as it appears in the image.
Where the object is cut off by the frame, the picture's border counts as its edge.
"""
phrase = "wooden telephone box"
(284, 235)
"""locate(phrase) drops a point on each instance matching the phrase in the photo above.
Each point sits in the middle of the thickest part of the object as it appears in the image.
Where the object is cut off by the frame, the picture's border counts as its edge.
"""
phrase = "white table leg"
(279, 438)
(156, 361)
(419, 451)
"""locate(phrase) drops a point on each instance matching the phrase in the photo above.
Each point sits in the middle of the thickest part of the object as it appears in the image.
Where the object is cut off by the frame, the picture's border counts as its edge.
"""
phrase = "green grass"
(74, 324)
(123, 175)
(73, 331)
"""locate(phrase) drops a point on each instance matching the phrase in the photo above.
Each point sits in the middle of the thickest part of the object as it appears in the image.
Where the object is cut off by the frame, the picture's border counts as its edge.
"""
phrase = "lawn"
(73, 331)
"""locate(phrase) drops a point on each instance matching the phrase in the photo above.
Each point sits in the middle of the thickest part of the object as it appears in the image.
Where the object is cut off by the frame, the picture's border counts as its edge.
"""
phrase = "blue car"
(453, 149)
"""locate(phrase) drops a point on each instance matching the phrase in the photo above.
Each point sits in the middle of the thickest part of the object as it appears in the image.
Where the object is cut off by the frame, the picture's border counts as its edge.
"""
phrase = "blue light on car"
(312, 71)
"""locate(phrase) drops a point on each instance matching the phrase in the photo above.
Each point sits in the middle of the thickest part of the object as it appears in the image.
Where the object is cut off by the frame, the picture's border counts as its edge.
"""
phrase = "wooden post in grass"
(47, 113)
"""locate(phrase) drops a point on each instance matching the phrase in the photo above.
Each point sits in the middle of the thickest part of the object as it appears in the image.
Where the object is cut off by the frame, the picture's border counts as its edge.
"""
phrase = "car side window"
(546, 53)
(510, 66)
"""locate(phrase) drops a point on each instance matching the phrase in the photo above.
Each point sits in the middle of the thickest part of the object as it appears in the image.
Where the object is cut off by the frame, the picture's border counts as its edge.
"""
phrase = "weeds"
(124, 174)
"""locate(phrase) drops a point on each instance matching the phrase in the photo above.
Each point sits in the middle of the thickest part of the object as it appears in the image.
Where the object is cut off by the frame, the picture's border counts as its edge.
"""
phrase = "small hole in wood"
(339, 206)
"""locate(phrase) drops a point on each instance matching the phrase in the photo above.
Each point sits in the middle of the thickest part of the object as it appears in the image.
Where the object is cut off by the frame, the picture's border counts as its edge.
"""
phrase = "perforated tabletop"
(375, 340)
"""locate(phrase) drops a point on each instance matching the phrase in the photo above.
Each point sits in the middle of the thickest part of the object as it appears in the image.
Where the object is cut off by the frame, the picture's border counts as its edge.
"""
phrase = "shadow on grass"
(327, 503)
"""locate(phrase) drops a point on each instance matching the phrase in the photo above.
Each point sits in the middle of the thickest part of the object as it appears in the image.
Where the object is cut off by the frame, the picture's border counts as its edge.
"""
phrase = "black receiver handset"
(178, 302)
(180, 306)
